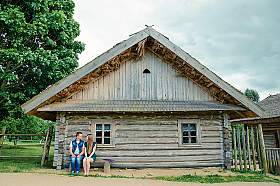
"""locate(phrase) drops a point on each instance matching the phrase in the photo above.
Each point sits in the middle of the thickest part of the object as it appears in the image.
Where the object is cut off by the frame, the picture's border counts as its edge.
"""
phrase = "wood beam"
(210, 84)
(241, 114)
(163, 51)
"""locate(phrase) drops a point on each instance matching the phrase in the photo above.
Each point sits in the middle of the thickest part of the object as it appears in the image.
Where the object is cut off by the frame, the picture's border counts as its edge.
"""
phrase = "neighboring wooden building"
(148, 104)
(270, 121)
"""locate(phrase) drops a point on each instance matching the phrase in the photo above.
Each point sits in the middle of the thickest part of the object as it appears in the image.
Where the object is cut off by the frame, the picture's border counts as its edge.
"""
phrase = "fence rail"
(24, 135)
(50, 156)
(22, 145)
(47, 144)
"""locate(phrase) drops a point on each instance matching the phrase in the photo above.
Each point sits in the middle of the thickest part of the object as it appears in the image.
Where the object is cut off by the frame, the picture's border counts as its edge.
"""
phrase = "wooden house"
(148, 103)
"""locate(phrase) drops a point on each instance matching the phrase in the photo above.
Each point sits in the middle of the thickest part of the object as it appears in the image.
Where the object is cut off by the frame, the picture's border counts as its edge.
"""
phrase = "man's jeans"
(77, 162)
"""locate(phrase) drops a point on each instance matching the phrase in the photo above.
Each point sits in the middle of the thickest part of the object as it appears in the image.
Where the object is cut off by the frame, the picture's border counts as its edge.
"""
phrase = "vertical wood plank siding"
(152, 140)
(129, 82)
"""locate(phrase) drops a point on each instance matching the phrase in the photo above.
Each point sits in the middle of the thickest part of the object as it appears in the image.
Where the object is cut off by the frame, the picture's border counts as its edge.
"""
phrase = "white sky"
(238, 40)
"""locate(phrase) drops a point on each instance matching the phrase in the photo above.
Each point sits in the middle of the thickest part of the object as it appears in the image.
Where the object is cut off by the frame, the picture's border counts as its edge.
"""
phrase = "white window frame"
(198, 132)
(112, 132)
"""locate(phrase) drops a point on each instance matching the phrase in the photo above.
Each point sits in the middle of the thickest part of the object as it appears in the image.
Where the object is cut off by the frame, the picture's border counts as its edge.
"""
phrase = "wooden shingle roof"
(138, 105)
(271, 106)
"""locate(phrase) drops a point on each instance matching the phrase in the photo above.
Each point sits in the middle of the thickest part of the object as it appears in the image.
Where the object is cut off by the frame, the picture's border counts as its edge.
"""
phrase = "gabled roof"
(135, 47)
(271, 105)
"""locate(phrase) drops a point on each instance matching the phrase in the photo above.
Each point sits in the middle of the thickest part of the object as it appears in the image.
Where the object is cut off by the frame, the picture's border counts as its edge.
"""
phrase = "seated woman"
(90, 155)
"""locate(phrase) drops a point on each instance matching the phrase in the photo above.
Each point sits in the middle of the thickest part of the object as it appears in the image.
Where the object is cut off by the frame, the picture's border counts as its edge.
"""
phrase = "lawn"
(23, 164)
(24, 150)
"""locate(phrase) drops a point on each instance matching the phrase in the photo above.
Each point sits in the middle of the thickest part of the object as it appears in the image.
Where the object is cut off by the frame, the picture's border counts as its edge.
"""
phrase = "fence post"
(48, 146)
(239, 149)
(278, 156)
(2, 138)
(253, 148)
(271, 157)
(45, 147)
(244, 148)
(234, 146)
(268, 161)
(248, 148)
(262, 148)
(258, 147)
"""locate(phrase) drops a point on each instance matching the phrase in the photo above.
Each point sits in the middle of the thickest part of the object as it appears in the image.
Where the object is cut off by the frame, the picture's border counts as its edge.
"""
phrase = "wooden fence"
(249, 150)
(47, 144)
(272, 156)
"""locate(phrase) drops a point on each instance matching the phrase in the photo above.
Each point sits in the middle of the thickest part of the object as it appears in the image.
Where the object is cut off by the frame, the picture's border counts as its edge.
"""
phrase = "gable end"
(135, 47)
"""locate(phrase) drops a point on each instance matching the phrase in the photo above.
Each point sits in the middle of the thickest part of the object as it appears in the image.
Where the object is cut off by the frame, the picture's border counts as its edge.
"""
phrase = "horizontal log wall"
(152, 140)
(269, 139)
(130, 83)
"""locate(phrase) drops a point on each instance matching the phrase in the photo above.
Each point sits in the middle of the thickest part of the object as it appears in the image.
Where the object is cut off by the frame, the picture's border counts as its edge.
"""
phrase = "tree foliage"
(252, 94)
(37, 47)
(19, 123)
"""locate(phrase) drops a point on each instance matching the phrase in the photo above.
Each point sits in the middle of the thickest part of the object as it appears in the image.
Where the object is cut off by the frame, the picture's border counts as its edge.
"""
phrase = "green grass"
(8, 165)
(20, 164)
(24, 150)
(217, 178)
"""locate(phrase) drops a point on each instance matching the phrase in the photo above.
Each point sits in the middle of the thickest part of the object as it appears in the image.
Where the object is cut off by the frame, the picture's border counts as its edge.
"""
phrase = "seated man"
(77, 150)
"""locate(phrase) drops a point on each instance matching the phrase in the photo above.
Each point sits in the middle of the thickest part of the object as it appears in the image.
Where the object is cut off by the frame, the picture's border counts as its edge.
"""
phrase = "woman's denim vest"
(80, 146)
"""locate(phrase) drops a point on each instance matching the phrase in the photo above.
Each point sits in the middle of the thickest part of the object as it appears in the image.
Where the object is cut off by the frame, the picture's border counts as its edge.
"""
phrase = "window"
(189, 132)
(103, 132)
(146, 71)
(189, 135)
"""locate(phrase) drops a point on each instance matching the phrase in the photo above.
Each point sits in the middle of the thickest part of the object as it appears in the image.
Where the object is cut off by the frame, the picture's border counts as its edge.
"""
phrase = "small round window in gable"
(146, 71)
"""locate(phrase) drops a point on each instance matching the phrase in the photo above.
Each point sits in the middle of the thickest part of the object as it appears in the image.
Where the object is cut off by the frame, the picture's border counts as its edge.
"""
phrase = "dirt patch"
(29, 179)
(155, 172)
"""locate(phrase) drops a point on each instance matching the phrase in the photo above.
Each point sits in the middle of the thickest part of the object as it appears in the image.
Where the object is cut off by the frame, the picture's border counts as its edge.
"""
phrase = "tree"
(252, 94)
(19, 123)
(37, 48)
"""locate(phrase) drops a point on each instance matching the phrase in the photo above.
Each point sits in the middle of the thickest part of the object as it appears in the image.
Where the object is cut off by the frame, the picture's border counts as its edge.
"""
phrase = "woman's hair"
(89, 143)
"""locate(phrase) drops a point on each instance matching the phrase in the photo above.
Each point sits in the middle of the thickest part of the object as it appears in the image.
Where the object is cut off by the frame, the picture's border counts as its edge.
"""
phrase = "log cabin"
(147, 103)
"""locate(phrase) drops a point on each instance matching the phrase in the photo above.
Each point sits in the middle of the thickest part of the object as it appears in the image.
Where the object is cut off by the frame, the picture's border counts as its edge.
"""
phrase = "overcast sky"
(237, 40)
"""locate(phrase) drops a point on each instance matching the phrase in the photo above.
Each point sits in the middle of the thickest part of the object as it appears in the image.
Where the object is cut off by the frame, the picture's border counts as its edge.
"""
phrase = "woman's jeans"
(76, 161)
